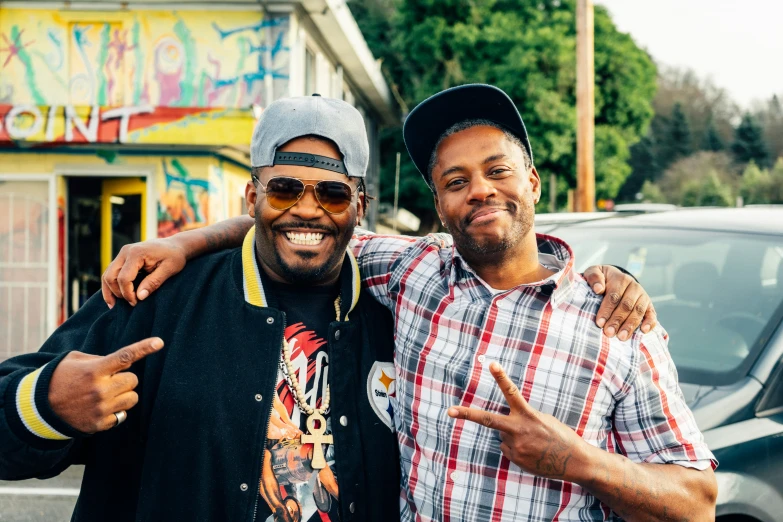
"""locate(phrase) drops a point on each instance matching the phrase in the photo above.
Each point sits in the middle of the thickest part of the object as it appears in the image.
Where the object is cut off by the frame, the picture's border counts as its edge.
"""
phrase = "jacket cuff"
(30, 415)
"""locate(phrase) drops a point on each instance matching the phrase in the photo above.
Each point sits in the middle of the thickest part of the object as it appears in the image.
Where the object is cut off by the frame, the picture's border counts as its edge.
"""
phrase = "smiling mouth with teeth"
(307, 239)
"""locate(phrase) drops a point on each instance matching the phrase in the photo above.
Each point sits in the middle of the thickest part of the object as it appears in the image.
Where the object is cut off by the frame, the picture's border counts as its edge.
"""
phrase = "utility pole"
(585, 108)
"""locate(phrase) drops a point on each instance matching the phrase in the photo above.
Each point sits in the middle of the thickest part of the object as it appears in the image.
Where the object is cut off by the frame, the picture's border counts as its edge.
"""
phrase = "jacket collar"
(253, 286)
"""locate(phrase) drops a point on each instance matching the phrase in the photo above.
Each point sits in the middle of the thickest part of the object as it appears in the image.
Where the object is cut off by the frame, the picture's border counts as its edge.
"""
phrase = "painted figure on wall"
(162, 59)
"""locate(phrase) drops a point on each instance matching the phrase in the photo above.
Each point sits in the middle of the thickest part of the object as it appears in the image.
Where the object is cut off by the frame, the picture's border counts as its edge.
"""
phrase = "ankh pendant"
(317, 438)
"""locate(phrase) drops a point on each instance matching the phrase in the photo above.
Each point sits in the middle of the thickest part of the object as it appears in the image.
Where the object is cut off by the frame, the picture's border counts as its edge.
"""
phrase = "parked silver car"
(716, 278)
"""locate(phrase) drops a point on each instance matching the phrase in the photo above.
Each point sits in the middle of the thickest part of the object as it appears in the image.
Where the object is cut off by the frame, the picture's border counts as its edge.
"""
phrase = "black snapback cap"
(431, 118)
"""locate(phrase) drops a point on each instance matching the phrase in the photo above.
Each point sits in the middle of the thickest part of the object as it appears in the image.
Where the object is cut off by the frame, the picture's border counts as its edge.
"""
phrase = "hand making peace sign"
(536, 442)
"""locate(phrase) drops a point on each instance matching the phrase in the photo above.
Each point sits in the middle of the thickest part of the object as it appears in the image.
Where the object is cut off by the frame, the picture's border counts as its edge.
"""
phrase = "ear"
(437, 208)
(251, 195)
(361, 208)
(535, 184)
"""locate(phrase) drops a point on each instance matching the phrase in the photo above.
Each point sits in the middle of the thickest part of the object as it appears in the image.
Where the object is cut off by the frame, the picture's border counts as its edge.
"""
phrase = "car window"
(715, 293)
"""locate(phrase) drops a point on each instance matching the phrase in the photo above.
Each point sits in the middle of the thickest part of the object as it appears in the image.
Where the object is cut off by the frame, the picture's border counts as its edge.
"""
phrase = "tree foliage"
(684, 181)
(761, 186)
(528, 49)
(748, 144)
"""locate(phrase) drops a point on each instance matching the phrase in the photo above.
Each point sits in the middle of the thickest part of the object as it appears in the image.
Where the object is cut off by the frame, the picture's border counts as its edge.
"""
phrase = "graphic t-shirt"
(291, 490)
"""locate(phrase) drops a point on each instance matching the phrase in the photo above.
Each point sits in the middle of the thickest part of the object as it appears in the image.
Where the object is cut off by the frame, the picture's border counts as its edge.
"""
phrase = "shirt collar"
(554, 253)
(253, 286)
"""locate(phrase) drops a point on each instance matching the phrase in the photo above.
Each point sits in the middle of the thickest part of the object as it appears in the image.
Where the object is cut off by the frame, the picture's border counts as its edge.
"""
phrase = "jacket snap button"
(352, 507)
(258, 397)
(243, 486)
(344, 421)
(337, 335)
(270, 320)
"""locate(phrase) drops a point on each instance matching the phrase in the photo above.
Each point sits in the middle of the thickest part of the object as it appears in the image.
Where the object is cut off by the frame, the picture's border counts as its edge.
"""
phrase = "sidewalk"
(40, 500)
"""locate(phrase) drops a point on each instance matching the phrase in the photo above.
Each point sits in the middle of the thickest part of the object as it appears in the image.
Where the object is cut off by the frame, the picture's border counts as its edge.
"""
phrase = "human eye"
(499, 172)
(455, 183)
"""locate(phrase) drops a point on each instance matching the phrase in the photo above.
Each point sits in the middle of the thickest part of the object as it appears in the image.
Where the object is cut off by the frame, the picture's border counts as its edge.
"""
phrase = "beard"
(522, 219)
(299, 271)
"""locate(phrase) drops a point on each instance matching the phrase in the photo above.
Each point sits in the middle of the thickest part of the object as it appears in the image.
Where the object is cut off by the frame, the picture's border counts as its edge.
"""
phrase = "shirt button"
(455, 476)
(344, 421)
(352, 507)
(481, 359)
(243, 486)
(337, 335)
(270, 320)
(258, 397)
(538, 289)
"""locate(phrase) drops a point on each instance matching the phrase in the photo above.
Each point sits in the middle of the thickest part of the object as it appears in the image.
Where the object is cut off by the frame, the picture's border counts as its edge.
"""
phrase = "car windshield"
(718, 295)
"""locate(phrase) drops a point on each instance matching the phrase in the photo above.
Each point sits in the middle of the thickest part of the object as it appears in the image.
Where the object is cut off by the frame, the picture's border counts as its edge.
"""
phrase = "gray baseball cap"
(289, 118)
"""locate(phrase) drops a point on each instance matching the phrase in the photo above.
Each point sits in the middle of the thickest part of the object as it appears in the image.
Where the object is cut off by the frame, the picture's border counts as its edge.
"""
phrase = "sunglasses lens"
(283, 193)
(334, 196)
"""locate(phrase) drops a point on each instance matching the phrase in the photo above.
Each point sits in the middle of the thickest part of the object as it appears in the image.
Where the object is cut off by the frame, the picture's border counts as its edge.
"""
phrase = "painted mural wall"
(158, 58)
(138, 76)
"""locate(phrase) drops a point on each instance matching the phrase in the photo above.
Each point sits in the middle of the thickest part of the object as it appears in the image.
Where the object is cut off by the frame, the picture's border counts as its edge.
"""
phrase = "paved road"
(40, 500)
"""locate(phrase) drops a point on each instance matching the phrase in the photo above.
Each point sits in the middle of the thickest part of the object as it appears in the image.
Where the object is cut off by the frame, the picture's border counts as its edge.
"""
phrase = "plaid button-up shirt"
(622, 397)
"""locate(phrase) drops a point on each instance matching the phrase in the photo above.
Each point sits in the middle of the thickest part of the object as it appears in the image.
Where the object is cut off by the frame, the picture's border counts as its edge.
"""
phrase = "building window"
(309, 72)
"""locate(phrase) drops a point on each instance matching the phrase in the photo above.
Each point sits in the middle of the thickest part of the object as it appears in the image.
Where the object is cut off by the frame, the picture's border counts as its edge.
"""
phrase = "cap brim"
(431, 118)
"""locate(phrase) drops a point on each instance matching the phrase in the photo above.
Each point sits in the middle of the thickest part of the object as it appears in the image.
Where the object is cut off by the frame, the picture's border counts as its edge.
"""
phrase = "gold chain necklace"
(314, 435)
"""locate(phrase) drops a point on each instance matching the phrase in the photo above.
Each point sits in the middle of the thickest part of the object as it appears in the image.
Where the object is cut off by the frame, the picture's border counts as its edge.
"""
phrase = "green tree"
(688, 175)
(756, 185)
(679, 139)
(527, 48)
(708, 192)
(651, 193)
(776, 183)
(749, 142)
(644, 168)
(712, 140)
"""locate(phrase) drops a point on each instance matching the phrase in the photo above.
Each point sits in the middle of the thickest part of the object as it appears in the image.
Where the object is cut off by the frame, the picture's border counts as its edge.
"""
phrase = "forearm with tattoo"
(220, 236)
(651, 492)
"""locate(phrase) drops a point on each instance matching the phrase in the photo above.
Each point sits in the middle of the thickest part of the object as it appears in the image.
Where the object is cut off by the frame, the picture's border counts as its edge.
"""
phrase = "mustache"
(280, 227)
(508, 206)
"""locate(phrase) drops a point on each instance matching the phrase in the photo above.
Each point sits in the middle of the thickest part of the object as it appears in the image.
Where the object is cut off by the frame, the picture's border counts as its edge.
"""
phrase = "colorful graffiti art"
(188, 202)
(159, 59)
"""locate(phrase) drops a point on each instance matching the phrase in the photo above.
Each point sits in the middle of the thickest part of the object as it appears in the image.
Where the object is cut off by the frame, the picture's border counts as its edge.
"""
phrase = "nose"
(480, 189)
(307, 207)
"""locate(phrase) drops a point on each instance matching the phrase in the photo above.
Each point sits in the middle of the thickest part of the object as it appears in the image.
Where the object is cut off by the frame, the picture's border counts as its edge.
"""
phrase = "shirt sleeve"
(377, 256)
(652, 422)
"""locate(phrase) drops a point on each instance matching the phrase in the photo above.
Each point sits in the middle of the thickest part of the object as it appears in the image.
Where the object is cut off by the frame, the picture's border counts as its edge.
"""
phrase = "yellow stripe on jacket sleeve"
(253, 292)
(356, 283)
(28, 412)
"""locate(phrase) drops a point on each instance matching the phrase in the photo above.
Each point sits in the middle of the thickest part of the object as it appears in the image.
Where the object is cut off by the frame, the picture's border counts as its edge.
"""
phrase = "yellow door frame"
(119, 187)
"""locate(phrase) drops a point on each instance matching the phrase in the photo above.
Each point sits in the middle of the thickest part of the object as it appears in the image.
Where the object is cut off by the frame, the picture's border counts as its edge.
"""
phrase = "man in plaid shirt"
(579, 426)
(511, 404)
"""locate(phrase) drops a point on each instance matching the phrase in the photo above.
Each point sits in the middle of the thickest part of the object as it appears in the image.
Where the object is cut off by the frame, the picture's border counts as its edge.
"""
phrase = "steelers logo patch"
(381, 389)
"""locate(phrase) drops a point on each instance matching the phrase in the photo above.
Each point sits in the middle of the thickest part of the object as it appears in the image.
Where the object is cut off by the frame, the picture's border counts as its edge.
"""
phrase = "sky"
(737, 43)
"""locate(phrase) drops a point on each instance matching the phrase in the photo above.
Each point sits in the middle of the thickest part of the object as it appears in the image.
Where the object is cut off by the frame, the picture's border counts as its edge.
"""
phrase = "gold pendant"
(317, 438)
